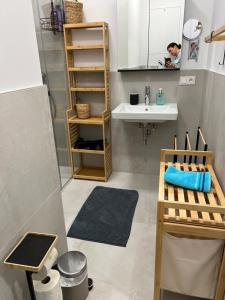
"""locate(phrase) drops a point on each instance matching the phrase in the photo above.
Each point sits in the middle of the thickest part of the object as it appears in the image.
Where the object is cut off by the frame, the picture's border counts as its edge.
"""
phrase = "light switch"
(187, 80)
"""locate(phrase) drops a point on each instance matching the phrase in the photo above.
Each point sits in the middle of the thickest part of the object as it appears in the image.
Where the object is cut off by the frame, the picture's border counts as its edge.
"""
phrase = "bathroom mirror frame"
(137, 19)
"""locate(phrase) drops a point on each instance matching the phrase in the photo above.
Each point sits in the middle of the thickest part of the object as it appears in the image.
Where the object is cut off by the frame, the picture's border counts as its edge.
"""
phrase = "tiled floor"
(120, 273)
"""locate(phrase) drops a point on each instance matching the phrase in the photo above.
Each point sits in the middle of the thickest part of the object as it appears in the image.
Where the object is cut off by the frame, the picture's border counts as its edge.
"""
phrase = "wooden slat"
(161, 182)
(216, 34)
(188, 142)
(94, 120)
(84, 47)
(85, 25)
(217, 187)
(86, 69)
(202, 137)
(101, 152)
(87, 89)
(172, 212)
(201, 199)
(212, 201)
(191, 198)
(162, 185)
(219, 38)
(195, 230)
(182, 212)
(158, 251)
(195, 206)
(175, 142)
(207, 154)
(90, 173)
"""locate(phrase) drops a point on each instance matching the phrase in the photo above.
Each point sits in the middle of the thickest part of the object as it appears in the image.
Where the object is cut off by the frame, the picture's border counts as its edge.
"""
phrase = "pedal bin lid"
(72, 264)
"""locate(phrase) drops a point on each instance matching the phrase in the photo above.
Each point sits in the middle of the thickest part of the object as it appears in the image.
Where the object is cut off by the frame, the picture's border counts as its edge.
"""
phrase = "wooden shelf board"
(90, 173)
(85, 25)
(101, 152)
(31, 251)
(87, 89)
(84, 47)
(88, 151)
(86, 69)
(94, 120)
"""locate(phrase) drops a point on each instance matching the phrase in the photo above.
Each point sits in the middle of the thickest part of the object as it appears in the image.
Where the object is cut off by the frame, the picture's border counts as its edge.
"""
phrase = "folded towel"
(199, 181)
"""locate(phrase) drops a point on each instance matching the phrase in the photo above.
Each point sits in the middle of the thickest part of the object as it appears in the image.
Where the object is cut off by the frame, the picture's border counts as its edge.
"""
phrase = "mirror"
(192, 29)
(145, 29)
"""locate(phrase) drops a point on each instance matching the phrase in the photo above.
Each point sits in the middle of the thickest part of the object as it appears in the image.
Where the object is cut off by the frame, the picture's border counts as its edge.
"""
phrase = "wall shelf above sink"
(146, 113)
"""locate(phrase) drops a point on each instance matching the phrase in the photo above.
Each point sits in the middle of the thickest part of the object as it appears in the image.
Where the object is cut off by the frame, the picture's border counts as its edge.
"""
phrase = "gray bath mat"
(106, 216)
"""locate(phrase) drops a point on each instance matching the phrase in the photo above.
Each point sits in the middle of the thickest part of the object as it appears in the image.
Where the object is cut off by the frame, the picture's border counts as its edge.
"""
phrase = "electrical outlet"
(191, 80)
(187, 80)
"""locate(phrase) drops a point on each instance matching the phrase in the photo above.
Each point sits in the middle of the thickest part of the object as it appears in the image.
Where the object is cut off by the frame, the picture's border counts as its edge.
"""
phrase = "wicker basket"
(83, 111)
(73, 11)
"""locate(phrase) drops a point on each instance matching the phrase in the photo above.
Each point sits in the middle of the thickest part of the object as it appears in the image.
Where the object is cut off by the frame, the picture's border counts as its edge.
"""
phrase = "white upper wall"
(104, 10)
(216, 49)
(101, 10)
(19, 58)
(201, 10)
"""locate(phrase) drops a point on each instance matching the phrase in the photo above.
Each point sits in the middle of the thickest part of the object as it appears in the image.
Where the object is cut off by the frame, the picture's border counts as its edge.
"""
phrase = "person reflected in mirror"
(174, 60)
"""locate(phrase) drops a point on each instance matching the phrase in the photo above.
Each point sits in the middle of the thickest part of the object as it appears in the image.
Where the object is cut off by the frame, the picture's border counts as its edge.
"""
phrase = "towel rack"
(200, 135)
(216, 35)
(175, 148)
(187, 146)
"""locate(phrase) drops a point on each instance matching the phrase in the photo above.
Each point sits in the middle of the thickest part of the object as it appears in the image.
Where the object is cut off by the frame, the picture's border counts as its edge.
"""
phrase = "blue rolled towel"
(199, 181)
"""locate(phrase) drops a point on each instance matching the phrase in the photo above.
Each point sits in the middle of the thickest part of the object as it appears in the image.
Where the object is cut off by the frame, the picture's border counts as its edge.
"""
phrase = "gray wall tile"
(212, 120)
(129, 152)
(29, 180)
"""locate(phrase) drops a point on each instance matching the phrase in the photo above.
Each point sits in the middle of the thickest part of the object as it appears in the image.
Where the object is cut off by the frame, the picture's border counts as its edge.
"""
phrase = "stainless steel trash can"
(74, 276)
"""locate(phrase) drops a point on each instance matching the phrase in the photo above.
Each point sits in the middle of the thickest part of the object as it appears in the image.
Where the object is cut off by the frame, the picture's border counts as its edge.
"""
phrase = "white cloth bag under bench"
(191, 266)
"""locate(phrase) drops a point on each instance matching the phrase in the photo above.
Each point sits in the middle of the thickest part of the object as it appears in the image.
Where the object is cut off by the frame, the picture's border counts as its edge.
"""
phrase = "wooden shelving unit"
(82, 169)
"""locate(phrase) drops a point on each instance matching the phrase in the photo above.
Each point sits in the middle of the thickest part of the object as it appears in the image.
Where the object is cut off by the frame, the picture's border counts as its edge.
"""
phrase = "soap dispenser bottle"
(160, 97)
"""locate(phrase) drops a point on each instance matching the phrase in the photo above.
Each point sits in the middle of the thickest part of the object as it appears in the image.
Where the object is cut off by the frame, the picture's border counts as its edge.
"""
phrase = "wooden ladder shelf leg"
(158, 255)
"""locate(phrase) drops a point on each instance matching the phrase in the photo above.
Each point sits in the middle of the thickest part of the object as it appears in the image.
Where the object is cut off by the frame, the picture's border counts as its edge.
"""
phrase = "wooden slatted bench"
(189, 213)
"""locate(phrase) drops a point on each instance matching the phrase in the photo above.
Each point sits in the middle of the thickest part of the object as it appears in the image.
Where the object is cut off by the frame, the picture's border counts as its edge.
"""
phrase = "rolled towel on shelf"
(198, 181)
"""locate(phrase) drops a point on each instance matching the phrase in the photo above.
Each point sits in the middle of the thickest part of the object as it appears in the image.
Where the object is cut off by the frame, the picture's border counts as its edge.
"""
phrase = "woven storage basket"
(83, 111)
(73, 11)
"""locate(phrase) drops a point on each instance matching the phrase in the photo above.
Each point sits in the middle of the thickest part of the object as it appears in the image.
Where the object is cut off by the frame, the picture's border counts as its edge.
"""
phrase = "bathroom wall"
(216, 50)
(29, 181)
(129, 152)
(213, 105)
(200, 10)
(19, 45)
(30, 198)
(212, 120)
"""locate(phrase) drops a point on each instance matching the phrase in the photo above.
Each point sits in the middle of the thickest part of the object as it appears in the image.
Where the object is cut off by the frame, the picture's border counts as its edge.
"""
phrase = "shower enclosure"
(51, 51)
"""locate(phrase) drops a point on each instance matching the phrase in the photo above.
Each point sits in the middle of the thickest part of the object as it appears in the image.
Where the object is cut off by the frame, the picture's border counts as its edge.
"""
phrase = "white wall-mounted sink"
(142, 113)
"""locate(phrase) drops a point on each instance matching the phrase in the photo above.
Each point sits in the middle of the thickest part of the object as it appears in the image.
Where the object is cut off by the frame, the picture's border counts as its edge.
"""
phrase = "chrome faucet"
(147, 95)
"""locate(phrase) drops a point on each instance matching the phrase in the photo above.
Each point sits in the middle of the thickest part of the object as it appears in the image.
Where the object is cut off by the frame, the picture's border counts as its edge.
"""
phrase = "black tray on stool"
(30, 254)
